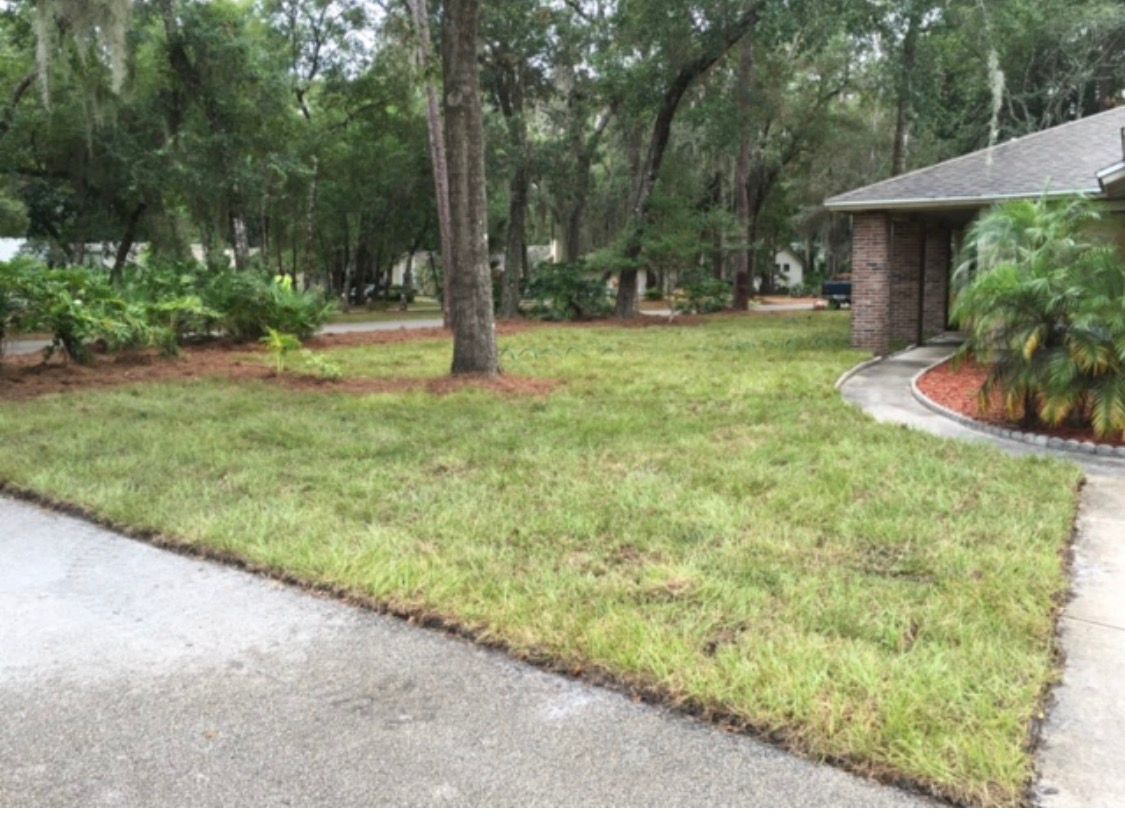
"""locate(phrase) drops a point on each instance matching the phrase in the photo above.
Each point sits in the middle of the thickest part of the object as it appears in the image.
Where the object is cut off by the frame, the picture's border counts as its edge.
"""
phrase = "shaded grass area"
(387, 312)
(694, 511)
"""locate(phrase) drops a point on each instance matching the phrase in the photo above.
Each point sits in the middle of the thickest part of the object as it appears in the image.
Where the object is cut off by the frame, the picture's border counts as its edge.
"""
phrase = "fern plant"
(280, 345)
(1043, 303)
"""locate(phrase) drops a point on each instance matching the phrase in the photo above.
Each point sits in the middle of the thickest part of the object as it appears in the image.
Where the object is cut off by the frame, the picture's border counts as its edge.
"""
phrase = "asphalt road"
(134, 676)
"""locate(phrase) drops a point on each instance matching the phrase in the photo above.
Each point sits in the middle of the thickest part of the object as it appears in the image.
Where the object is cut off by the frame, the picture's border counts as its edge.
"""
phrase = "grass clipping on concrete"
(694, 511)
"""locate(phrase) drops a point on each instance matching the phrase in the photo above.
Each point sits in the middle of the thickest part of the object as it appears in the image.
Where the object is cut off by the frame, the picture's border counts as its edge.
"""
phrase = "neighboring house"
(906, 229)
(788, 269)
(10, 247)
(421, 267)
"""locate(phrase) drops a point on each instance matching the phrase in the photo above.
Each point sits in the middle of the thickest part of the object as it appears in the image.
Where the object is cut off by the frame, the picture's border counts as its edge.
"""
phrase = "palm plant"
(1043, 303)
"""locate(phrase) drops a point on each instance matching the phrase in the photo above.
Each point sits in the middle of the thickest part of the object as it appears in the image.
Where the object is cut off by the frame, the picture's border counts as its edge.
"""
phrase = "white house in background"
(535, 255)
(10, 247)
(788, 269)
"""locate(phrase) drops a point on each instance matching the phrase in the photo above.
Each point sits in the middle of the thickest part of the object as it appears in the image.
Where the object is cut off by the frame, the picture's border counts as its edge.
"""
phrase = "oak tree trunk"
(126, 245)
(903, 92)
(470, 280)
(511, 96)
(742, 275)
(436, 129)
(717, 44)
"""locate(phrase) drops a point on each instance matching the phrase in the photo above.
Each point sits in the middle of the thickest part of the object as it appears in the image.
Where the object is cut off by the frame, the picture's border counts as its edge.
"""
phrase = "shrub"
(394, 294)
(280, 345)
(322, 366)
(1044, 307)
(14, 303)
(654, 295)
(78, 307)
(699, 292)
(160, 307)
(563, 291)
(249, 303)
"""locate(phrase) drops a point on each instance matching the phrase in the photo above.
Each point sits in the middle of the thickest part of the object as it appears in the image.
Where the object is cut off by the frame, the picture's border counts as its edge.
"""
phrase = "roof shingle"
(1063, 159)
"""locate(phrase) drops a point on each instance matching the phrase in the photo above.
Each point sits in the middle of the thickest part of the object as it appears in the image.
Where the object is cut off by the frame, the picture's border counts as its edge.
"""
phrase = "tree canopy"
(671, 136)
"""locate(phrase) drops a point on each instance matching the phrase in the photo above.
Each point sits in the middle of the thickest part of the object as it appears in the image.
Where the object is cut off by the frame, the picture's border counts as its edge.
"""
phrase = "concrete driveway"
(134, 676)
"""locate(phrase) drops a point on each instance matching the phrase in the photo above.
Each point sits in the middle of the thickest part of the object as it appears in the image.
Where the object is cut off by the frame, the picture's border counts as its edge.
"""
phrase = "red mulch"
(957, 386)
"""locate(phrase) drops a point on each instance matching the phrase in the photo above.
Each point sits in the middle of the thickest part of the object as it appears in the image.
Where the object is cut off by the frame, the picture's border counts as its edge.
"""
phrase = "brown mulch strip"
(28, 376)
(958, 386)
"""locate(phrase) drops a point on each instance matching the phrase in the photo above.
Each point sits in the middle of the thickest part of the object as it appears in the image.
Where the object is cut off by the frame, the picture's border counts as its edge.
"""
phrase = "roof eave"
(1111, 175)
(947, 202)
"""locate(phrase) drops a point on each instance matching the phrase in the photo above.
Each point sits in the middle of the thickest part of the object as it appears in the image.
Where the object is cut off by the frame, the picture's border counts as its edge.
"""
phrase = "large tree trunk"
(470, 303)
(743, 283)
(718, 251)
(407, 289)
(584, 153)
(904, 90)
(436, 129)
(240, 243)
(18, 93)
(515, 252)
(718, 43)
(511, 96)
(309, 263)
(126, 244)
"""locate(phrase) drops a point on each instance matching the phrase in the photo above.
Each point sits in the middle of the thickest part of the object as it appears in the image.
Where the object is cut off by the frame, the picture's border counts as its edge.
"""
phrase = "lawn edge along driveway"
(1081, 751)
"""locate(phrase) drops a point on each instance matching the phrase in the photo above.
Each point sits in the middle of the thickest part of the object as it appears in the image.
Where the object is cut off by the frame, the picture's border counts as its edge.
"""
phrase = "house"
(10, 247)
(788, 269)
(907, 229)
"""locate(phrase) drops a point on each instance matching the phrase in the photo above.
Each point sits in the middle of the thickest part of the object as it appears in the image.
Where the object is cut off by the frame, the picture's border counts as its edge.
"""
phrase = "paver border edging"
(1034, 439)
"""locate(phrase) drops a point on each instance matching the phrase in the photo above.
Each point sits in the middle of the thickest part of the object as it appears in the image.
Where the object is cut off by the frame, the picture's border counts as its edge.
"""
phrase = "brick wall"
(870, 284)
(889, 255)
(906, 264)
(938, 244)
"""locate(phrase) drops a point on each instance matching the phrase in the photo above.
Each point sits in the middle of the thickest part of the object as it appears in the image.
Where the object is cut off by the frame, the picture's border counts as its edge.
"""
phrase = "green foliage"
(78, 307)
(1045, 310)
(563, 292)
(322, 366)
(394, 294)
(13, 215)
(280, 345)
(700, 292)
(155, 307)
(251, 302)
(654, 294)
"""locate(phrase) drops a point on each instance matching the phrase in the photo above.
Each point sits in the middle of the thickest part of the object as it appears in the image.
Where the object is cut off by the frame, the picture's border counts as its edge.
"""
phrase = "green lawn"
(389, 312)
(694, 511)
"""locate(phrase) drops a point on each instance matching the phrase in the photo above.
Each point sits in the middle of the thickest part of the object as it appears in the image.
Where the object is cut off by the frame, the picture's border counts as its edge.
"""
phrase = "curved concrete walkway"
(1082, 757)
(134, 676)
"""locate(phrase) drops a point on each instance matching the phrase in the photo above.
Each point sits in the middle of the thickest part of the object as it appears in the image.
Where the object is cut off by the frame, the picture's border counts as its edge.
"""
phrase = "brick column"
(938, 251)
(871, 291)
(906, 267)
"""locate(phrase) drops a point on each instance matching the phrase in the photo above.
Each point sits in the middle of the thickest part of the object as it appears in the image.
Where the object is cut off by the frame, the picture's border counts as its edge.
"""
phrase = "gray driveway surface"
(1081, 760)
(134, 676)
(390, 324)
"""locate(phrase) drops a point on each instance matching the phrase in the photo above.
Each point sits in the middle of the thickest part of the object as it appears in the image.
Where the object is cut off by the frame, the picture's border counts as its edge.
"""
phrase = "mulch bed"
(28, 376)
(958, 386)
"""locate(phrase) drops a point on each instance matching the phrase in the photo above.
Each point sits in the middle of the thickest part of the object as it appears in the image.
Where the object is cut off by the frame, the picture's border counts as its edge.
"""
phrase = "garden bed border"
(1034, 439)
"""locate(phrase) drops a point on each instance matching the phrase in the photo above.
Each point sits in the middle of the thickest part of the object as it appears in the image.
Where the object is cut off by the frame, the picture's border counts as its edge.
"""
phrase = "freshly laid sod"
(693, 511)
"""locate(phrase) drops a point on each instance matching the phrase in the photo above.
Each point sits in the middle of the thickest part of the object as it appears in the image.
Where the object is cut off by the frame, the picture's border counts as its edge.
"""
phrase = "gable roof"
(1065, 159)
